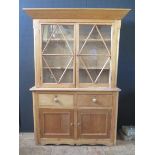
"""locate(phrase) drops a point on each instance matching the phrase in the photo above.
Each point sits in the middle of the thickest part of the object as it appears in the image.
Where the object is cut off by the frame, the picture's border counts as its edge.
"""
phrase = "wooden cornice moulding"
(77, 13)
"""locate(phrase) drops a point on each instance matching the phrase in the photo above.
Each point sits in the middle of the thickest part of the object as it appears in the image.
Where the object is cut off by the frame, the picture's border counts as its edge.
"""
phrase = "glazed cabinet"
(82, 48)
(57, 55)
(75, 97)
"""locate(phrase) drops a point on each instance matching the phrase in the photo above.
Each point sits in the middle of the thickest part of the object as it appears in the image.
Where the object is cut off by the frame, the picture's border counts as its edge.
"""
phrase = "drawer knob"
(56, 99)
(78, 124)
(94, 100)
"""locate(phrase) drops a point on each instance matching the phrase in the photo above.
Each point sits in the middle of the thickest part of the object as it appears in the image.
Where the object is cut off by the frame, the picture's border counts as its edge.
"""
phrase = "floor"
(27, 147)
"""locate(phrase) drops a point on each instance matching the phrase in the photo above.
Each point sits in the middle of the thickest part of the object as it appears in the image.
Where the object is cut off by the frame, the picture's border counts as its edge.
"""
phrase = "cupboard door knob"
(71, 124)
(94, 100)
(56, 99)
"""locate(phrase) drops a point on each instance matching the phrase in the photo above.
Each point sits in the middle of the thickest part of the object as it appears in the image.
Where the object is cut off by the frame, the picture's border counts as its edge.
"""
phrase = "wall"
(126, 72)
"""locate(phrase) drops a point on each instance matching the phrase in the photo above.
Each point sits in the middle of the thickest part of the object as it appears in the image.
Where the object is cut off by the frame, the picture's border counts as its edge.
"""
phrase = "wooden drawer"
(56, 100)
(94, 100)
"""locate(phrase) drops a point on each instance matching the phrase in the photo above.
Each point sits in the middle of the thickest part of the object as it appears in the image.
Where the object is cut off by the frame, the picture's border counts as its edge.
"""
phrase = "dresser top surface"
(75, 89)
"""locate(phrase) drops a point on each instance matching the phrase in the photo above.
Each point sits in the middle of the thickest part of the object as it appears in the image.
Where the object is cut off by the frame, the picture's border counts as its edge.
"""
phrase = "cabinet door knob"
(71, 124)
(94, 100)
(56, 99)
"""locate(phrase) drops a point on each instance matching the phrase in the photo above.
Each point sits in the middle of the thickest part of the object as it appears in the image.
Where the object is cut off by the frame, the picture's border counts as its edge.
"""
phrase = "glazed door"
(94, 55)
(57, 55)
(56, 123)
(94, 123)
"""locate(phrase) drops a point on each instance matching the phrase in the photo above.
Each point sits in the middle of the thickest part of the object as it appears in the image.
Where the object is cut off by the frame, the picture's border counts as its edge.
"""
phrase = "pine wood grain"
(76, 13)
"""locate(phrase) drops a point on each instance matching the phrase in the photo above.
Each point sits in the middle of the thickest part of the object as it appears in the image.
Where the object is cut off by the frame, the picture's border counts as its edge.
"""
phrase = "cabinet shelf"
(63, 40)
(92, 68)
(107, 55)
(95, 40)
(89, 40)
(47, 54)
(59, 68)
(58, 54)
(95, 68)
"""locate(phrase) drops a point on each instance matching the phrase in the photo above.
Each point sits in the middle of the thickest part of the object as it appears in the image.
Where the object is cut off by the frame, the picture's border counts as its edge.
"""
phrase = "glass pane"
(57, 69)
(67, 78)
(58, 62)
(55, 31)
(57, 39)
(94, 53)
(94, 69)
(105, 31)
(95, 39)
(95, 47)
(57, 53)
(94, 62)
(103, 78)
(58, 47)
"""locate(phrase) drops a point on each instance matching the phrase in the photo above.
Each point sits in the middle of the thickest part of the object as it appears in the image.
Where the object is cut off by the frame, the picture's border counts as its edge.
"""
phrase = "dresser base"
(56, 141)
(75, 117)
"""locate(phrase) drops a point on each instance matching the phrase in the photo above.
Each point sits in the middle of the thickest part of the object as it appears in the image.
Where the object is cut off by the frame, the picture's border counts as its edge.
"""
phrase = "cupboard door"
(58, 54)
(56, 123)
(94, 55)
(94, 123)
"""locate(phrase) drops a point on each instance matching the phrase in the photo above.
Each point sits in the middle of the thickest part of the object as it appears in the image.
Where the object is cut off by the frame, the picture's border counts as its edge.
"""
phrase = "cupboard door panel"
(94, 123)
(57, 54)
(56, 123)
(94, 54)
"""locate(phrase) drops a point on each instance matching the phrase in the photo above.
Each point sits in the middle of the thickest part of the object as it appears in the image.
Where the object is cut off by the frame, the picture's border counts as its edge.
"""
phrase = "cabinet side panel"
(37, 52)
(115, 51)
(115, 115)
(36, 118)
